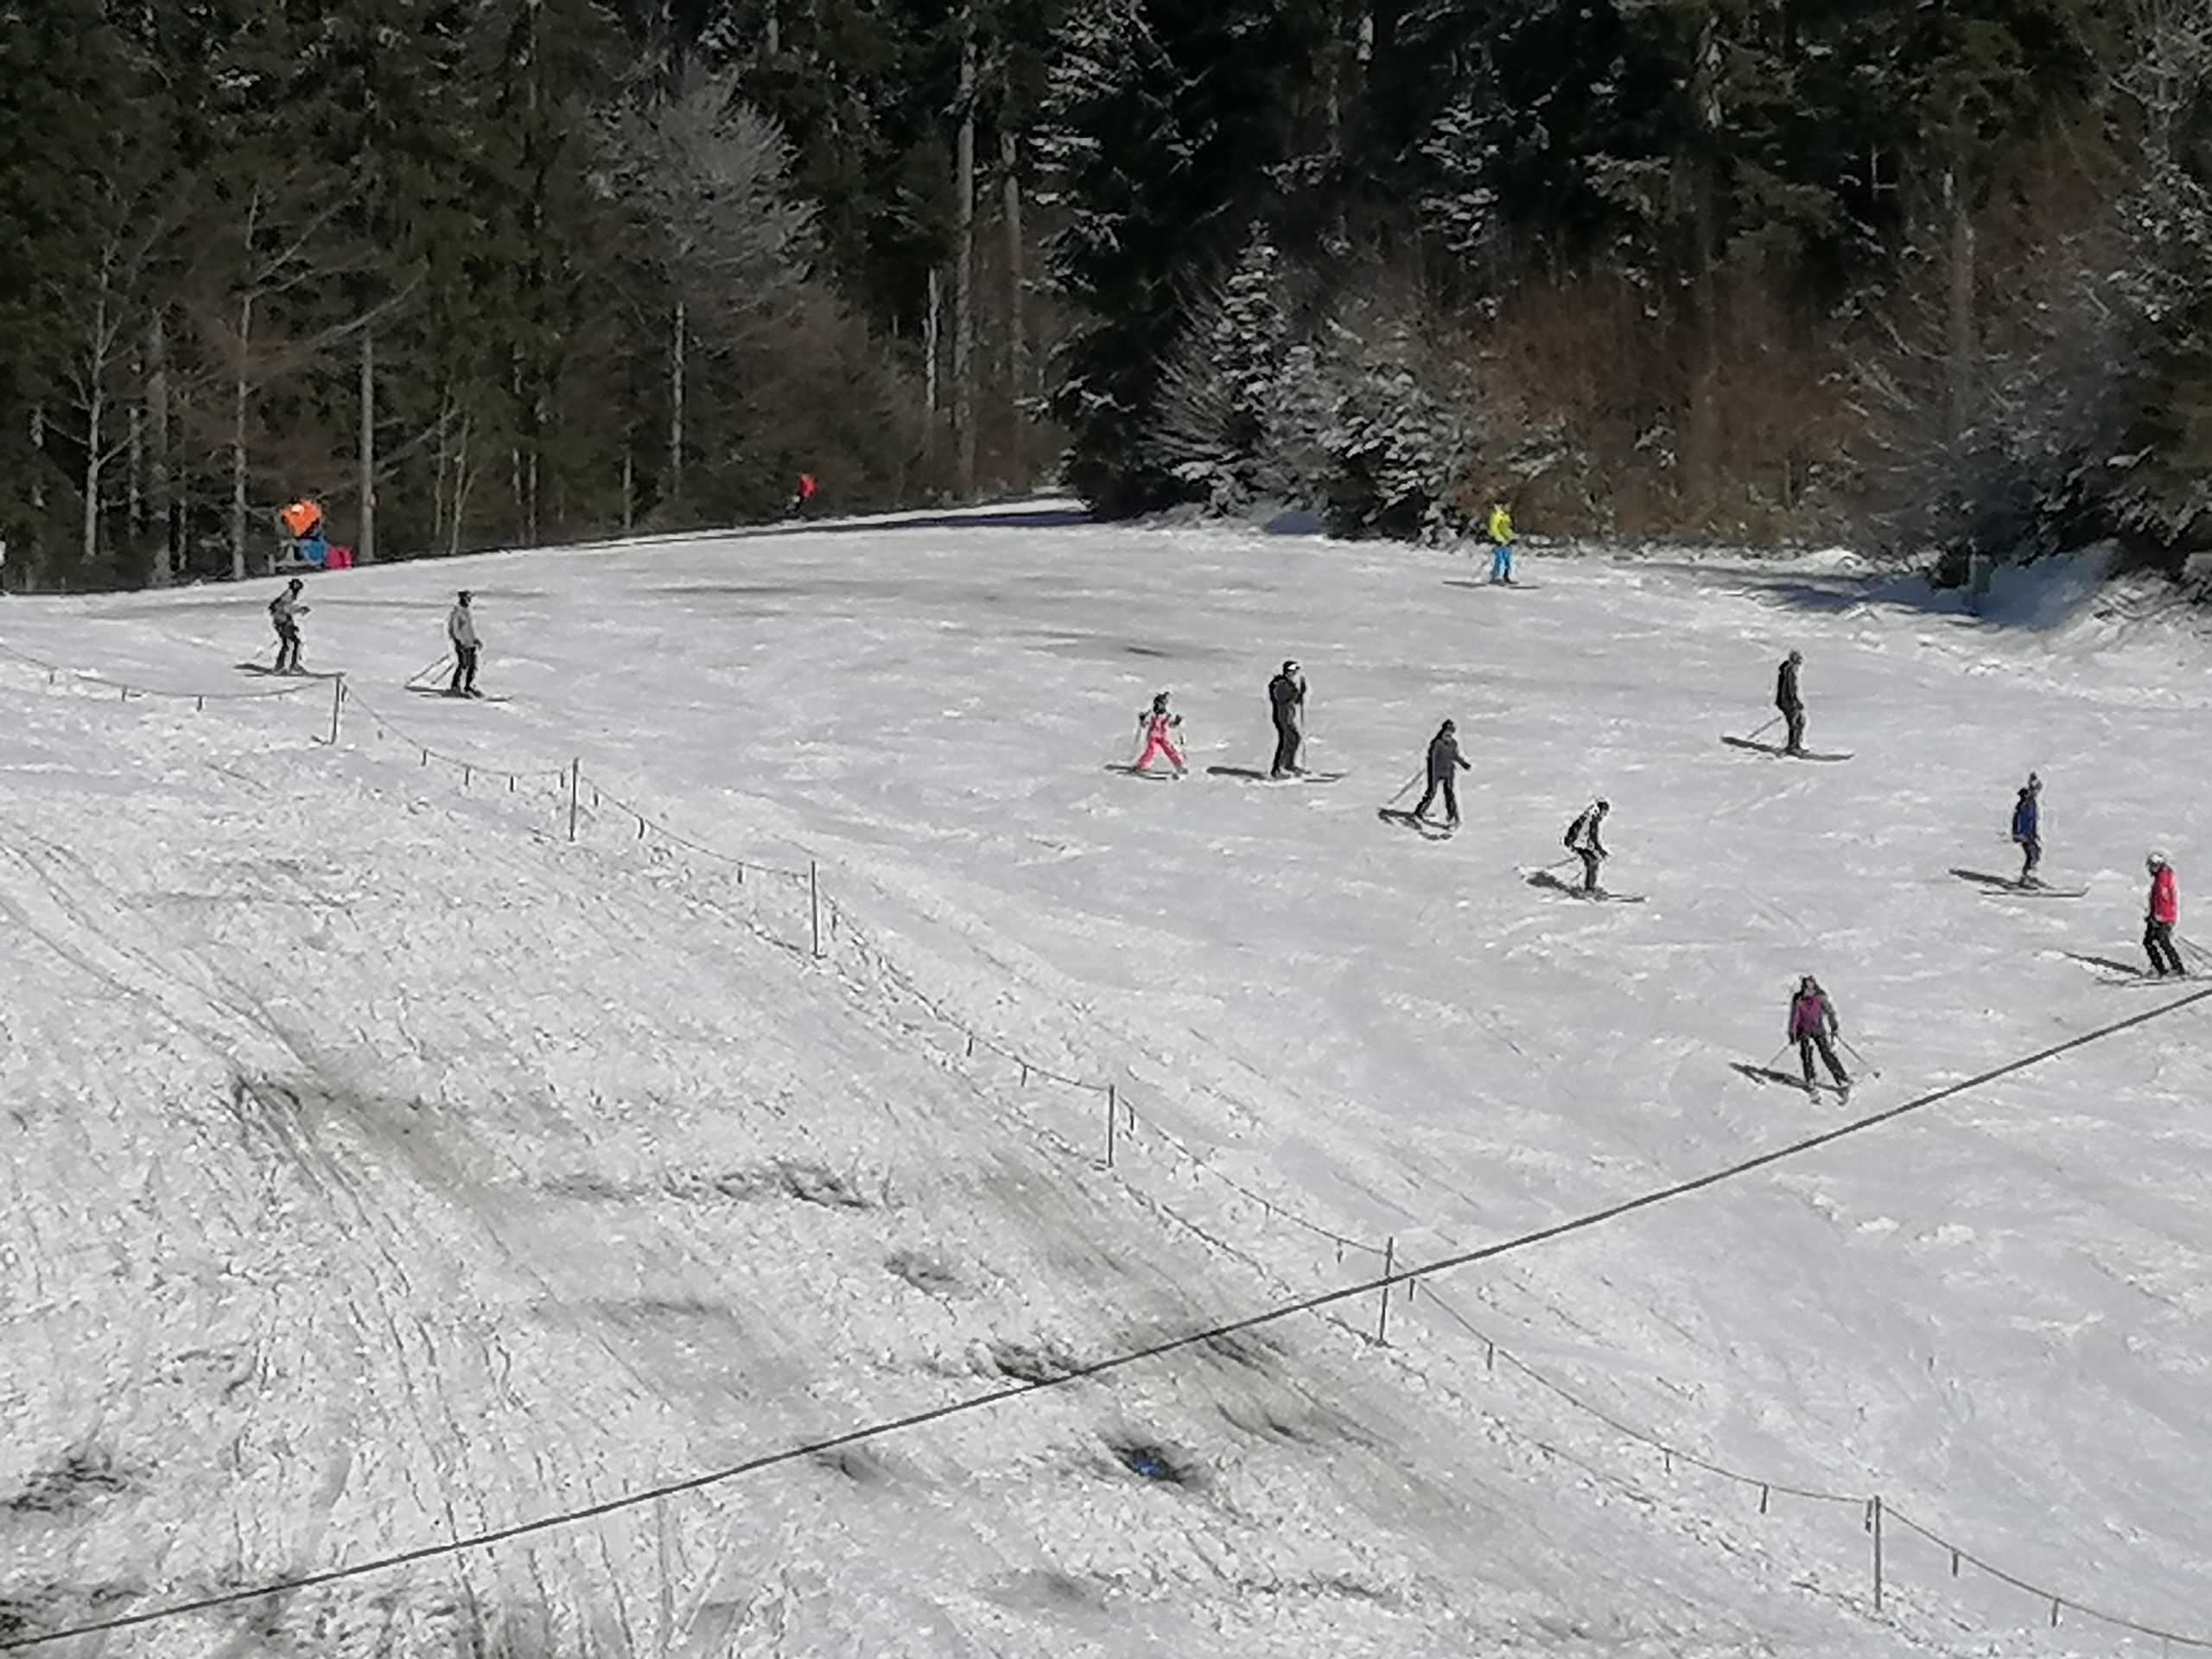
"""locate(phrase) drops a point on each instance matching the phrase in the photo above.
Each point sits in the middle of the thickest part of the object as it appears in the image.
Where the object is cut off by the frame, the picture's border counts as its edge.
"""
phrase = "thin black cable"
(1102, 1367)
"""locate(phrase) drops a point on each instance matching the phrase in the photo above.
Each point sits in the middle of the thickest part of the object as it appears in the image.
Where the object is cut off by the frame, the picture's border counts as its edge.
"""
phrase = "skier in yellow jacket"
(1501, 536)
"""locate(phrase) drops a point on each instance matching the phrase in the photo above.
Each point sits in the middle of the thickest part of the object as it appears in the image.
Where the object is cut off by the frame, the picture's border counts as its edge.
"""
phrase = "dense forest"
(1933, 274)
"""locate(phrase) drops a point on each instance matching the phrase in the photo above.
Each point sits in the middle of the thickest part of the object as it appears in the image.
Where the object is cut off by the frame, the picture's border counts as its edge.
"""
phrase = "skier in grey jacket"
(1445, 763)
(284, 613)
(461, 630)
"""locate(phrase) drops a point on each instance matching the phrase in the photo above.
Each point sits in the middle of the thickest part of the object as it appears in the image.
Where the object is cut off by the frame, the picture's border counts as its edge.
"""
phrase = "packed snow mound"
(390, 1167)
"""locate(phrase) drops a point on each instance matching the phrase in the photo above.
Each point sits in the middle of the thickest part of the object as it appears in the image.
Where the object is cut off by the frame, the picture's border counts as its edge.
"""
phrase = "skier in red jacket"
(2162, 911)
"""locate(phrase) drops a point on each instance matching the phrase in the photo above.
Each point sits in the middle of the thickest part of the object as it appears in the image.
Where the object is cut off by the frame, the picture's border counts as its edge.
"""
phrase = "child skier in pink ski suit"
(1158, 725)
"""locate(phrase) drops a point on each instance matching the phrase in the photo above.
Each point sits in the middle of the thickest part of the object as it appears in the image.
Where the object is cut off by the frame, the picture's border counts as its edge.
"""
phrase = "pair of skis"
(1550, 883)
(265, 671)
(1242, 774)
(2009, 887)
(2111, 970)
(1775, 751)
(1813, 1089)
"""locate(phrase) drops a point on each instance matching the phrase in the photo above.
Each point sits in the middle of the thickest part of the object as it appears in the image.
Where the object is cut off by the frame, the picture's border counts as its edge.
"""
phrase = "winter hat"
(295, 582)
(1290, 665)
(465, 596)
(1796, 656)
(2156, 860)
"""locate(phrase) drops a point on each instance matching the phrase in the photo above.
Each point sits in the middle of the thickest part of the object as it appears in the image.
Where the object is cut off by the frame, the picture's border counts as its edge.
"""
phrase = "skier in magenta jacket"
(1813, 1026)
(1158, 724)
(2161, 912)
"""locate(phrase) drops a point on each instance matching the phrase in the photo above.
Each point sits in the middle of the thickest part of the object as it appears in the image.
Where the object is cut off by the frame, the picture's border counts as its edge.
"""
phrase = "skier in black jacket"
(1445, 763)
(1287, 703)
(1791, 702)
(1585, 842)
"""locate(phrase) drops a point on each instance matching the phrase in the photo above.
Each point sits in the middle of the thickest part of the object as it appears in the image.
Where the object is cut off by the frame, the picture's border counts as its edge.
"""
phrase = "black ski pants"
(1796, 720)
(1286, 745)
(288, 645)
(1589, 868)
(2031, 855)
(464, 669)
(1819, 1040)
(2158, 946)
(1449, 787)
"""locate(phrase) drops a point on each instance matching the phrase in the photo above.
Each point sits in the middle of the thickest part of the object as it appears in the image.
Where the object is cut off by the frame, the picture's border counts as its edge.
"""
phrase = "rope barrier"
(1382, 1283)
(2175, 1638)
(1495, 1351)
(128, 689)
(600, 794)
(470, 768)
(1032, 1068)
(1391, 1279)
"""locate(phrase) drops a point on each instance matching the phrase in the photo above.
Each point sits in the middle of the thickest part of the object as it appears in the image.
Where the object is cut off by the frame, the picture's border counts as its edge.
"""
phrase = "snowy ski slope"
(386, 1168)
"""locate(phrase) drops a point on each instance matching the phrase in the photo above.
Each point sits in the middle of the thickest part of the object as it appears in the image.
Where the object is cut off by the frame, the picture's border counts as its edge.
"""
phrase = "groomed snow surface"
(386, 1168)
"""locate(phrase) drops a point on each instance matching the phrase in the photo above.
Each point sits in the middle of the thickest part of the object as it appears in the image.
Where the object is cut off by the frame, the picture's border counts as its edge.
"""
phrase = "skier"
(802, 496)
(1813, 1026)
(1445, 763)
(2027, 830)
(2161, 910)
(1287, 703)
(1501, 538)
(284, 613)
(1158, 727)
(461, 630)
(1788, 699)
(1583, 841)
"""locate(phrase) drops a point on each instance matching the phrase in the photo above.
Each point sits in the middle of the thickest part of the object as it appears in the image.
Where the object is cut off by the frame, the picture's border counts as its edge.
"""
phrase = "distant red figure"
(803, 498)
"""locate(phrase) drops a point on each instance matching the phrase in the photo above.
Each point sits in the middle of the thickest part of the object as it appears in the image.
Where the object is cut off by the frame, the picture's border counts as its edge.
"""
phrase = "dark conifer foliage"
(478, 272)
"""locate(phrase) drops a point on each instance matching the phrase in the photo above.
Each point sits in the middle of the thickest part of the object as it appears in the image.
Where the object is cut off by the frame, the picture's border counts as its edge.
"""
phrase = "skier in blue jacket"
(2027, 830)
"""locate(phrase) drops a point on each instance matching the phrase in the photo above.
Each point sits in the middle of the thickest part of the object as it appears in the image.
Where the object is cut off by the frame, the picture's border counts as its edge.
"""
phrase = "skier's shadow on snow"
(1551, 883)
(1765, 1074)
(2110, 964)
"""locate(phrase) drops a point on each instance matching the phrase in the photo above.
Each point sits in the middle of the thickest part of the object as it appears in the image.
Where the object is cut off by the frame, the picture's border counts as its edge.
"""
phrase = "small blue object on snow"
(1144, 1460)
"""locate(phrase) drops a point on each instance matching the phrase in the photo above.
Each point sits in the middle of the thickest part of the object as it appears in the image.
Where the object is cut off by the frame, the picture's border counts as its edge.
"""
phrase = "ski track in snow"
(386, 1168)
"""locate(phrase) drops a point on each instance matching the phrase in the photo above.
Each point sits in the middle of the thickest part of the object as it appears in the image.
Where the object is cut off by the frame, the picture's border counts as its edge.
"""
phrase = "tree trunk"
(157, 416)
(134, 477)
(677, 336)
(365, 540)
(964, 279)
(460, 484)
(1961, 347)
(438, 462)
(1017, 332)
(241, 398)
(629, 491)
(95, 443)
(1702, 444)
(930, 331)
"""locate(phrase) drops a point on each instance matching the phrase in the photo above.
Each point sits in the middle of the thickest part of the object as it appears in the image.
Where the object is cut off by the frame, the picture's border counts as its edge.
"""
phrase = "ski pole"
(1762, 730)
(1872, 1069)
(1407, 788)
(429, 668)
